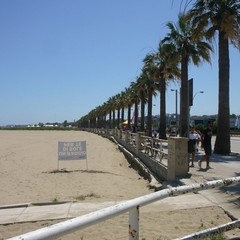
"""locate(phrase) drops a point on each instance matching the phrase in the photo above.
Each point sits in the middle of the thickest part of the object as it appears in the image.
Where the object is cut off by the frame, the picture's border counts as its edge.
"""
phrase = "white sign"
(72, 150)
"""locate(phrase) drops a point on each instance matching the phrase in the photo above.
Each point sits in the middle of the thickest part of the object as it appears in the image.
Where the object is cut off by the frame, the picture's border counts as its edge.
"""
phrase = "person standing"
(194, 138)
(207, 145)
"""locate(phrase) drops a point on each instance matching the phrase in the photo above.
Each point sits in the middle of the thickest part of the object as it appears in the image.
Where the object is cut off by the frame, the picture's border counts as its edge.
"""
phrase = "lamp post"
(197, 93)
(193, 99)
(176, 92)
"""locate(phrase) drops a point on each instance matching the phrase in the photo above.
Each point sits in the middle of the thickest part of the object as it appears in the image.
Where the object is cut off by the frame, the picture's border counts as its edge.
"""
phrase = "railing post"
(127, 134)
(139, 140)
(138, 144)
(134, 223)
(177, 157)
(120, 134)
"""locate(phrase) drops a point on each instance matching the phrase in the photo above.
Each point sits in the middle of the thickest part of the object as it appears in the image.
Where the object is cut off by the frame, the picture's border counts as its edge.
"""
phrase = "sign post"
(72, 151)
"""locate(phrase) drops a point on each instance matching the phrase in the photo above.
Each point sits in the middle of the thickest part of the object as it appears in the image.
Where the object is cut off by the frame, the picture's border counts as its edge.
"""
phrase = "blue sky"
(59, 59)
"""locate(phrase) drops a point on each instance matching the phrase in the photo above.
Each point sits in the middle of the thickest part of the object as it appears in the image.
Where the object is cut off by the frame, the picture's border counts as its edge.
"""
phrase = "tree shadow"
(233, 189)
(225, 158)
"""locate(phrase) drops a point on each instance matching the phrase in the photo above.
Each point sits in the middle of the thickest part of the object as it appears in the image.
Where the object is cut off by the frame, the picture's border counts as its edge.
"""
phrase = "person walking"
(198, 145)
(207, 145)
(194, 138)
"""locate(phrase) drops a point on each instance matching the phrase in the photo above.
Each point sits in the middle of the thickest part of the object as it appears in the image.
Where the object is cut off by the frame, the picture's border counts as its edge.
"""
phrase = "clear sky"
(59, 59)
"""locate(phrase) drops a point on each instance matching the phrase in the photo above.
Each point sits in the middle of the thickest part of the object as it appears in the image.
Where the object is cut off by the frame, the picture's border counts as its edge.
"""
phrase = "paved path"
(227, 197)
(221, 167)
(28, 212)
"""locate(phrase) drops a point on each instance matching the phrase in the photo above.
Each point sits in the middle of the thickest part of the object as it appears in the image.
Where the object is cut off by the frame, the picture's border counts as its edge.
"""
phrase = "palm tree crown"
(188, 47)
(223, 17)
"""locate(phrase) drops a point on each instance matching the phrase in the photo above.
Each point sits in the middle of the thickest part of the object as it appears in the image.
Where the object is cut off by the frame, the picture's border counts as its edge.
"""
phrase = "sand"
(29, 170)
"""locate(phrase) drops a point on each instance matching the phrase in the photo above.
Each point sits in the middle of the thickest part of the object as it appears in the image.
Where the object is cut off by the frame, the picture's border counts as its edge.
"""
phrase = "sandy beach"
(28, 170)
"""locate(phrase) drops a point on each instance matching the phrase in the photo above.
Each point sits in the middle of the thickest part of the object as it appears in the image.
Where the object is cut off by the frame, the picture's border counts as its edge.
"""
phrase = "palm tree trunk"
(142, 114)
(105, 121)
(162, 124)
(118, 117)
(110, 120)
(114, 119)
(129, 116)
(136, 115)
(122, 114)
(93, 123)
(101, 122)
(149, 117)
(184, 98)
(222, 144)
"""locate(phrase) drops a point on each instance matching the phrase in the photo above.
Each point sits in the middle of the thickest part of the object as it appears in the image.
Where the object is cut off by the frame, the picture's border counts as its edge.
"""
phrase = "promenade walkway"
(221, 167)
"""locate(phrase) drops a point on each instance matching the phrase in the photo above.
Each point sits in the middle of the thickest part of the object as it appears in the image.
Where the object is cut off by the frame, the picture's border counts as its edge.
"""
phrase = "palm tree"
(113, 108)
(98, 116)
(136, 101)
(167, 65)
(102, 115)
(92, 118)
(142, 90)
(149, 76)
(123, 105)
(108, 106)
(128, 103)
(118, 107)
(187, 48)
(222, 17)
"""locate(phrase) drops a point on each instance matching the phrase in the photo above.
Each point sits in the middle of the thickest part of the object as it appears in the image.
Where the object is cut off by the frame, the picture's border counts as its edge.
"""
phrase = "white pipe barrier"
(213, 230)
(131, 206)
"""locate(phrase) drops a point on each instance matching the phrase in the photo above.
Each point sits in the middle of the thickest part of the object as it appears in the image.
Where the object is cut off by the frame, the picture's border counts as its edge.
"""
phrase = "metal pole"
(176, 107)
(134, 223)
(214, 230)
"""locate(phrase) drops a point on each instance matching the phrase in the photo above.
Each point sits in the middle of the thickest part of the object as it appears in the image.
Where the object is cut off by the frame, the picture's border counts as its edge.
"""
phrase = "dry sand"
(28, 160)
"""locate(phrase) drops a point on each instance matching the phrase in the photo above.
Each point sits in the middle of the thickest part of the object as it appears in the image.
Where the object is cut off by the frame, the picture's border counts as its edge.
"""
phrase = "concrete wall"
(177, 158)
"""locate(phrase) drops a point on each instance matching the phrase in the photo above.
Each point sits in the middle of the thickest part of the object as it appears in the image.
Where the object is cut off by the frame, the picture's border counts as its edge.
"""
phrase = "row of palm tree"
(188, 41)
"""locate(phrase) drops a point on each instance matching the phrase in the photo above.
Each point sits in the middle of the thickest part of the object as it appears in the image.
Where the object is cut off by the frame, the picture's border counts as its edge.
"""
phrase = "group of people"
(195, 138)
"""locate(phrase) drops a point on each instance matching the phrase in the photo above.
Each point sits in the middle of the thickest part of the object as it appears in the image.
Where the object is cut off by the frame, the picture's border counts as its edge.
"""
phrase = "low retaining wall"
(158, 170)
(177, 156)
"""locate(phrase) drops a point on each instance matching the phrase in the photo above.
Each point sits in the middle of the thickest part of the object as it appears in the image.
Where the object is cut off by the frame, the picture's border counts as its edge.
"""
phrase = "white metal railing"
(213, 230)
(132, 139)
(131, 206)
(155, 147)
